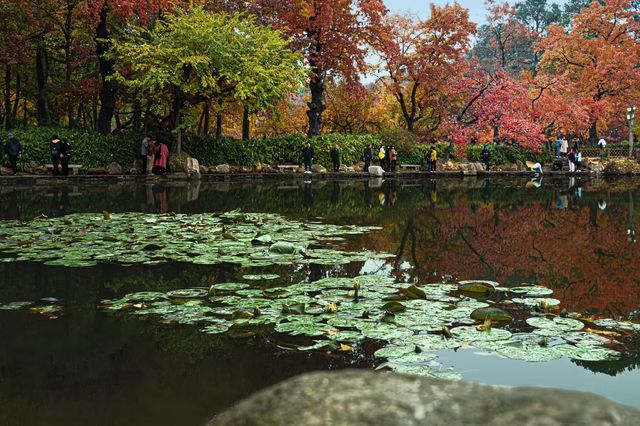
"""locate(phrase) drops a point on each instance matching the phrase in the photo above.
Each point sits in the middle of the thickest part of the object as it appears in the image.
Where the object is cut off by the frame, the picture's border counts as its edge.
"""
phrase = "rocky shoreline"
(366, 398)
(186, 168)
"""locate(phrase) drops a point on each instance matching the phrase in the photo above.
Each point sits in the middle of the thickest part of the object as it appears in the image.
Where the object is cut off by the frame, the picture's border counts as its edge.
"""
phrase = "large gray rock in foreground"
(365, 398)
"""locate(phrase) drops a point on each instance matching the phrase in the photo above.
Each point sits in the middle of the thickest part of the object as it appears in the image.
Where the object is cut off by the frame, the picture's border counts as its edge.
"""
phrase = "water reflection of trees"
(629, 361)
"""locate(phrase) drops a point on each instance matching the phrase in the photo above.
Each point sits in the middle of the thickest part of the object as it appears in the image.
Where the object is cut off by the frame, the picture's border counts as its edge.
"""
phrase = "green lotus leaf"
(474, 286)
(557, 325)
(413, 292)
(14, 306)
(394, 307)
(536, 301)
(218, 327)
(230, 286)
(425, 371)
(391, 352)
(530, 353)
(386, 332)
(472, 334)
(493, 314)
(531, 291)
(585, 339)
(587, 353)
(189, 293)
(262, 277)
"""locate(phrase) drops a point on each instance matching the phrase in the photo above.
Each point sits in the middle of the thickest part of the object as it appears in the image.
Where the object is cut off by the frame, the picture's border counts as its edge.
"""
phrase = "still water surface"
(88, 367)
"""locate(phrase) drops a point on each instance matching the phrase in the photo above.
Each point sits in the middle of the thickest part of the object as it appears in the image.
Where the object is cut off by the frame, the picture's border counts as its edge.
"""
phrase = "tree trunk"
(108, 88)
(593, 133)
(7, 97)
(207, 117)
(42, 75)
(174, 121)
(219, 125)
(316, 105)
(16, 101)
(246, 124)
(68, 38)
(136, 120)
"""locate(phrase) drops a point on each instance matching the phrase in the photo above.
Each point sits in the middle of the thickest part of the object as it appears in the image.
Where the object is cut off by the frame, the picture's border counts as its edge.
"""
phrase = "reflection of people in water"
(12, 212)
(335, 193)
(160, 198)
(308, 195)
(393, 193)
(430, 191)
(367, 194)
(59, 201)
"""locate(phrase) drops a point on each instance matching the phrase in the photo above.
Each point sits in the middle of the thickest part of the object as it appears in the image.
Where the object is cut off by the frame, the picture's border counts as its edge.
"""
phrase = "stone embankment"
(363, 398)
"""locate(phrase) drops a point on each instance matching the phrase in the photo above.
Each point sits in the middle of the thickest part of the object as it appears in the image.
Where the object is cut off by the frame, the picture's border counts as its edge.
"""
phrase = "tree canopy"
(534, 70)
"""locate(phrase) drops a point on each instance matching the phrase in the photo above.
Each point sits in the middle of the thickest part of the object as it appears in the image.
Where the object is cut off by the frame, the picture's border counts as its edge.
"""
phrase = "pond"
(287, 277)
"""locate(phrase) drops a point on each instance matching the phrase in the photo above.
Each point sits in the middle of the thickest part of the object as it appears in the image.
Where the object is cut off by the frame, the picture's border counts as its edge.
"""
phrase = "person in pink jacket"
(160, 158)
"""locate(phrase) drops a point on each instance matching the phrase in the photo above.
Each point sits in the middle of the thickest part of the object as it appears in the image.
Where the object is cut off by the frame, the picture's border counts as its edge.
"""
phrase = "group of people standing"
(388, 158)
(60, 150)
(154, 152)
(573, 155)
(13, 150)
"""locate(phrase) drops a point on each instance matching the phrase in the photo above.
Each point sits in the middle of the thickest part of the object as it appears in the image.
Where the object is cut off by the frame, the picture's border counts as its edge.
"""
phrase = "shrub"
(92, 149)
(88, 148)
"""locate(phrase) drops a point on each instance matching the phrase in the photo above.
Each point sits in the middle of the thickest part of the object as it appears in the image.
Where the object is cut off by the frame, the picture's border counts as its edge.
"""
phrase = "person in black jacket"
(308, 157)
(65, 156)
(486, 156)
(368, 156)
(13, 149)
(54, 148)
(335, 158)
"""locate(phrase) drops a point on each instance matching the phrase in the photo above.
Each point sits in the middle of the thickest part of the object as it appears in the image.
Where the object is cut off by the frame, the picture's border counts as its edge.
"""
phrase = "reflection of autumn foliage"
(589, 265)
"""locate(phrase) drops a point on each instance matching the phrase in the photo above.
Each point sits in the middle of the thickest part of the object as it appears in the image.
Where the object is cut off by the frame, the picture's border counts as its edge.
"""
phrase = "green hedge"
(504, 154)
(94, 150)
(88, 148)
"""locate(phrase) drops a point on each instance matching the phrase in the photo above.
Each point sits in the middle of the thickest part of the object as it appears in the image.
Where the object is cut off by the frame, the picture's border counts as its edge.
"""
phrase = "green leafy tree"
(195, 56)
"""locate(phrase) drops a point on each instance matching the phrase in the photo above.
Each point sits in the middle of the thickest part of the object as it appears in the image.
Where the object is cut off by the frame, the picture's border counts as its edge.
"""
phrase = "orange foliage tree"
(333, 36)
(596, 60)
(422, 57)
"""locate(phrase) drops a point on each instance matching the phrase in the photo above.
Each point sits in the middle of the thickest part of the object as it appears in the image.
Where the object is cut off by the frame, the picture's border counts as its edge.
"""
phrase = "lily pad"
(493, 314)
(475, 286)
(531, 291)
(587, 353)
(263, 277)
(472, 334)
(555, 327)
(530, 353)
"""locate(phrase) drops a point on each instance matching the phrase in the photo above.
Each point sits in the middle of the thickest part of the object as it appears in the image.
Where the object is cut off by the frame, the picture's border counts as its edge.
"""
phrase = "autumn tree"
(363, 111)
(597, 59)
(195, 55)
(493, 108)
(421, 58)
(333, 36)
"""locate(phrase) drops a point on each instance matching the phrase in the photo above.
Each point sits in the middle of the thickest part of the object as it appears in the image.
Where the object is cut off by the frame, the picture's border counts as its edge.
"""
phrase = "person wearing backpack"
(382, 154)
(486, 156)
(434, 159)
(368, 156)
(13, 149)
(55, 150)
(427, 159)
(393, 159)
(335, 158)
(572, 160)
(65, 156)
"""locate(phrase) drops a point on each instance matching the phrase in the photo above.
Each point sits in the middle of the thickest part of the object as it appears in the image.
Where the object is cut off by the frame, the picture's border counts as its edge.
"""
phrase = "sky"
(421, 7)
